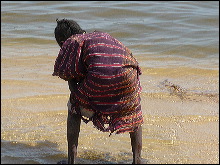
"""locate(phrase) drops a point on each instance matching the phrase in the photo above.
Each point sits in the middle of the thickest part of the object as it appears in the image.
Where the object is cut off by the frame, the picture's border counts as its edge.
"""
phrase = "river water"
(177, 47)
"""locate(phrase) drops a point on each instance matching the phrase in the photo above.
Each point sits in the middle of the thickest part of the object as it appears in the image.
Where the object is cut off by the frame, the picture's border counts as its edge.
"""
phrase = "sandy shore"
(33, 112)
(170, 133)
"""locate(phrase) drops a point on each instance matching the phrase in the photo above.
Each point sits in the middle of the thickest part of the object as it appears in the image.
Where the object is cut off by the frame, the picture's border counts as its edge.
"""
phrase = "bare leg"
(73, 129)
(136, 143)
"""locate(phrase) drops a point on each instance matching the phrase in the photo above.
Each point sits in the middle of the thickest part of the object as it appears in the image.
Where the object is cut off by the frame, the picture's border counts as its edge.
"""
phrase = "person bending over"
(103, 78)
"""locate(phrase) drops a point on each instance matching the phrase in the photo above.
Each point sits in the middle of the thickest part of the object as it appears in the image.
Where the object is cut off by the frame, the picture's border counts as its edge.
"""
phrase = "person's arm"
(72, 84)
(67, 63)
(69, 67)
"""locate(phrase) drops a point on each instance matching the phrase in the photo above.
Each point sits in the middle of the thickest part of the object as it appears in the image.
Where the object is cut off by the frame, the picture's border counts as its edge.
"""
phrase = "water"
(177, 46)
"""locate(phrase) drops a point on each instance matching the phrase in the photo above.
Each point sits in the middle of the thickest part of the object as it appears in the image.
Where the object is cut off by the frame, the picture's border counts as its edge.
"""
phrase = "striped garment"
(107, 77)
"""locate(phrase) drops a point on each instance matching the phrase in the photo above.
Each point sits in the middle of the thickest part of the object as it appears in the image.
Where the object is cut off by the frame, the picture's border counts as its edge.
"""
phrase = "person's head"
(66, 28)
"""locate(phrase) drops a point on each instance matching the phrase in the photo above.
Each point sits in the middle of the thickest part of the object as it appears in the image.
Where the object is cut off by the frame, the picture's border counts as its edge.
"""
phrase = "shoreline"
(180, 134)
(178, 127)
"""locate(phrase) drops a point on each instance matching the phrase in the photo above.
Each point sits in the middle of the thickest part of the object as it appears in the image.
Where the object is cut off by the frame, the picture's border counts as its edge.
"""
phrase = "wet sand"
(34, 112)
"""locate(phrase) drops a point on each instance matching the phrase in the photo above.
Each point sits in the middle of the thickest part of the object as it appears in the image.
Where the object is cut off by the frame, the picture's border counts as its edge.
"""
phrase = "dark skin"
(73, 129)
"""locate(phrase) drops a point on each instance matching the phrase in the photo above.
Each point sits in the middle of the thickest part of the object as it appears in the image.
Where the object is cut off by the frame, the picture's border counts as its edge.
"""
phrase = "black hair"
(66, 28)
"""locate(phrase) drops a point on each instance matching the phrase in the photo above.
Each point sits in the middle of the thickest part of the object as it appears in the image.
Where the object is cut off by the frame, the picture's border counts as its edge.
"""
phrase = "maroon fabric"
(108, 80)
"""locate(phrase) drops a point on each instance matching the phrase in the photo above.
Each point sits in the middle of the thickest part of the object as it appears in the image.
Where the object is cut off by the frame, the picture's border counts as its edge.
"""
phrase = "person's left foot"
(62, 162)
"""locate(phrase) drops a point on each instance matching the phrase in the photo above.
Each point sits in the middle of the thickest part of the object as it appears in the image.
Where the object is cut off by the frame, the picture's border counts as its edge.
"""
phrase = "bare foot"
(62, 162)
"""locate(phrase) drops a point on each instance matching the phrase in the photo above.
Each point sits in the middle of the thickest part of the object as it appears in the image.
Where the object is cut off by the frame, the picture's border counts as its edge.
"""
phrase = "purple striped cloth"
(108, 80)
